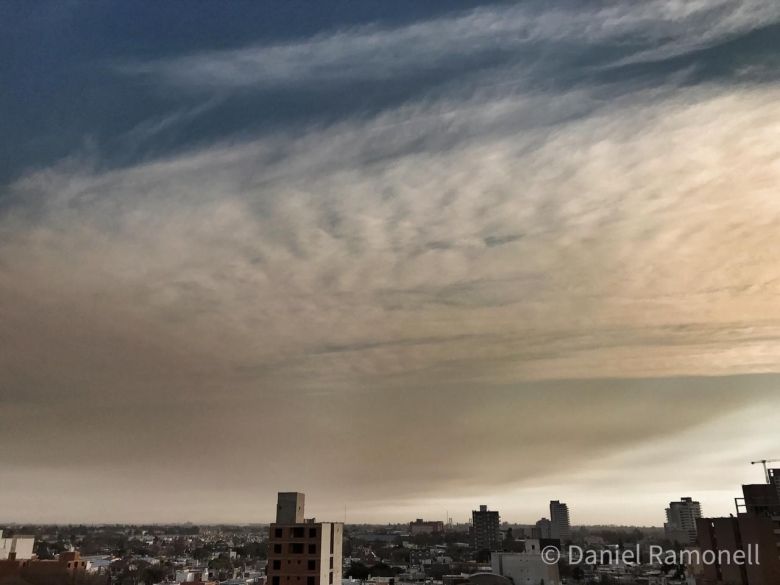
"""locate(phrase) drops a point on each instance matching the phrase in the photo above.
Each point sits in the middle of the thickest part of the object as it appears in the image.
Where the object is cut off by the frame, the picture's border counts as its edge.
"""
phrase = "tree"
(358, 571)
(384, 570)
(153, 574)
(509, 539)
(201, 553)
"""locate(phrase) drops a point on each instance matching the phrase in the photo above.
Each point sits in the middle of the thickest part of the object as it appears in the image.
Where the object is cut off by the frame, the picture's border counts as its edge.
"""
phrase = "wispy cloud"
(650, 213)
(527, 33)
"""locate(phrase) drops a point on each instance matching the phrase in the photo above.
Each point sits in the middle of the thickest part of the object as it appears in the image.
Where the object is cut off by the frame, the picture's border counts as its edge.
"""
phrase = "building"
(754, 533)
(681, 520)
(68, 569)
(720, 534)
(761, 499)
(525, 568)
(192, 575)
(542, 529)
(486, 529)
(99, 564)
(16, 547)
(754, 537)
(560, 527)
(420, 526)
(302, 551)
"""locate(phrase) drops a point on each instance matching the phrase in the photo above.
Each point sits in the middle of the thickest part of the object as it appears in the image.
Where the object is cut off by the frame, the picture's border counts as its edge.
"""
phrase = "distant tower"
(302, 551)
(486, 529)
(681, 521)
(559, 521)
(542, 529)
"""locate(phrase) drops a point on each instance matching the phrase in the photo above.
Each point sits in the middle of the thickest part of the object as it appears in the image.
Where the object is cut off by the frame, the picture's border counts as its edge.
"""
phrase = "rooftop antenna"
(764, 462)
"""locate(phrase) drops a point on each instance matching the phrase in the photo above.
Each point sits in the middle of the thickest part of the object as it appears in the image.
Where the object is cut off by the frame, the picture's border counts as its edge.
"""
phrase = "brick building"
(302, 551)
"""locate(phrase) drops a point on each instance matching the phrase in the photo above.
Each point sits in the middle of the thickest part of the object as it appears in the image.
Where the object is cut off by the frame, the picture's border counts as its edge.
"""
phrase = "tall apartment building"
(302, 551)
(486, 529)
(681, 520)
(560, 526)
(755, 531)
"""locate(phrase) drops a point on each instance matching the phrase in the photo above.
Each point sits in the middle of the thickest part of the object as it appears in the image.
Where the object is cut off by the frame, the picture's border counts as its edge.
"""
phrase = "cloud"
(642, 227)
(530, 33)
(531, 281)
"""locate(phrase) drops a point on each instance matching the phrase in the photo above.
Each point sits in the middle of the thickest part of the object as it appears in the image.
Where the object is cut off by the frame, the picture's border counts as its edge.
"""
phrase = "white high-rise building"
(681, 521)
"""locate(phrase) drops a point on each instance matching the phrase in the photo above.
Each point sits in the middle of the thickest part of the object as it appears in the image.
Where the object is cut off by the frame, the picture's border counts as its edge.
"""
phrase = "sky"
(408, 258)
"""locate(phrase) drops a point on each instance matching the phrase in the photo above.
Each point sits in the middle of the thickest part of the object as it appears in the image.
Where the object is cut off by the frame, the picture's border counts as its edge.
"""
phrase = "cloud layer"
(423, 236)
(550, 277)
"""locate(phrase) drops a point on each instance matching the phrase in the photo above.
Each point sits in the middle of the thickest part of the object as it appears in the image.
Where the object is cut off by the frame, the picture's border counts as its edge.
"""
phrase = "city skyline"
(409, 258)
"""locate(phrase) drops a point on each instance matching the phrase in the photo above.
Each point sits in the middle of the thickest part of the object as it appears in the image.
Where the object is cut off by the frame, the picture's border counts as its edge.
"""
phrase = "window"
(312, 533)
(331, 563)
(296, 548)
(277, 565)
(330, 578)
(278, 532)
(312, 549)
(310, 580)
(277, 549)
(275, 580)
(311, 565)
(297, 532)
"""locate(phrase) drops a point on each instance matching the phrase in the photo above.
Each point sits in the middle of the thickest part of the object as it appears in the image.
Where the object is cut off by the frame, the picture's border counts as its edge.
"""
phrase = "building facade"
(486, 529)
(560, 526)
(754, 533)
(526, 568)
(542, 529)
(16, 547)
(68, 569)
(681, 520)
(420, 526)
(302, 551)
